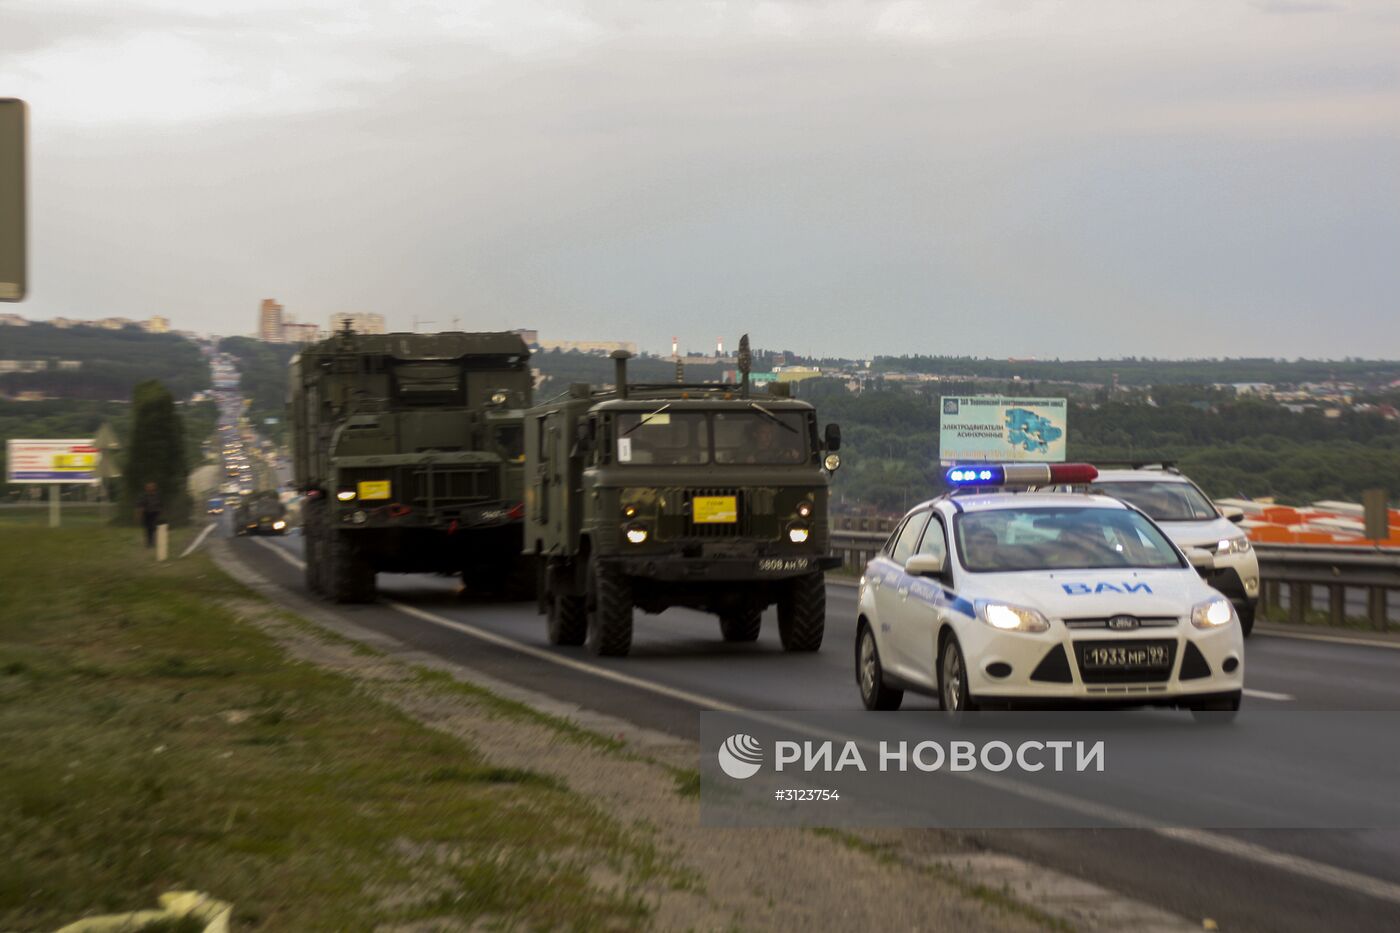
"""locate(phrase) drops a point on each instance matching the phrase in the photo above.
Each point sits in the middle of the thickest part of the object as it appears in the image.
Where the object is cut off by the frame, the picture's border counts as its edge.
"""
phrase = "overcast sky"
(1005, 178)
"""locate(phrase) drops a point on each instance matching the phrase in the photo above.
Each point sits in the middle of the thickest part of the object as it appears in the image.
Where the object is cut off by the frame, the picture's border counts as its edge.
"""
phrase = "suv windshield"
(1163, 501)
(1000, 540)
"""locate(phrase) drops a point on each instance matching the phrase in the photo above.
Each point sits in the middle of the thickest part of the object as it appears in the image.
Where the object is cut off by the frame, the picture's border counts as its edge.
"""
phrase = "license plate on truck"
(714, 510)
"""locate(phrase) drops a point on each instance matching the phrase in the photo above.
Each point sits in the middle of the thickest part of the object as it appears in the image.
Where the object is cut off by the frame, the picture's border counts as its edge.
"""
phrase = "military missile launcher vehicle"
(706, 496)
(408, 448)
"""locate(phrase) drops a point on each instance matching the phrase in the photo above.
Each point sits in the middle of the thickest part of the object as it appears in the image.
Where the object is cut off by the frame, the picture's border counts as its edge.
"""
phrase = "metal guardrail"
(1295, 569)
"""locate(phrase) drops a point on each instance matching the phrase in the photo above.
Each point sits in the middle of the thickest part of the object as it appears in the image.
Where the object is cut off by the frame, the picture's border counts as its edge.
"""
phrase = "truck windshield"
(760, 437)
(1163, 502)
(1001, 540)
(432, 384)
(663, 437)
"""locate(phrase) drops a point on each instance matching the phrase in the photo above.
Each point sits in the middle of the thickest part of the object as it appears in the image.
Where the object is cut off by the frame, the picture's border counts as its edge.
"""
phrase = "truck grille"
(735, 529)
(446, 487)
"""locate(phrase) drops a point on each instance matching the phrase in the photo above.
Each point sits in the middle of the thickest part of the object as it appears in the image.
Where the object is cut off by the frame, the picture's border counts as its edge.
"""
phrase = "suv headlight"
(1238, 545)
(1212, 613)
(1010, 618)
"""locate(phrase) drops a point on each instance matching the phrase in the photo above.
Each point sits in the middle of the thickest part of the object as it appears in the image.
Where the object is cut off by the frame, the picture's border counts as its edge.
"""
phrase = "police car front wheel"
(952, 679)
(871, 676)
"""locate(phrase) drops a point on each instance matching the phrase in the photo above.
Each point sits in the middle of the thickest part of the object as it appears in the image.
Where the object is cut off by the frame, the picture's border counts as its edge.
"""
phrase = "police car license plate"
(714, 510)
(1147, 656)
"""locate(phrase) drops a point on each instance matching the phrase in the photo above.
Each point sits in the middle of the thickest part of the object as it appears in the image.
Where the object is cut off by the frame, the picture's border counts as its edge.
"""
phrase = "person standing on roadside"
(148, 512)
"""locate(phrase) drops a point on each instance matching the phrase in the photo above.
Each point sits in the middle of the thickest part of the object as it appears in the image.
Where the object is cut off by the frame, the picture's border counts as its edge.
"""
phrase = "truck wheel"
(741, 625)
(609, 605)
(351, 577)
(568, 622)
(802, 614)
(311, 549)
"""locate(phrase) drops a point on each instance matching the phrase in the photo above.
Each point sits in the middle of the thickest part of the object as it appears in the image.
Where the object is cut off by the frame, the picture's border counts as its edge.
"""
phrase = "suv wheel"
(609, 611)
(1246, 614)
(802, 613)
(952, 679)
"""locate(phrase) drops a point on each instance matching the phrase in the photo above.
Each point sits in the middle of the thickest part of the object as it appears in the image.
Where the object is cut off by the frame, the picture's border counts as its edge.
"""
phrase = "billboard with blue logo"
(994, 428)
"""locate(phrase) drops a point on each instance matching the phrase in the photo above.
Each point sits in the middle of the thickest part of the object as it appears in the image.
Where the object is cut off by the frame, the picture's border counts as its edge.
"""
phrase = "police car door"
(892, 593)
(920, 610)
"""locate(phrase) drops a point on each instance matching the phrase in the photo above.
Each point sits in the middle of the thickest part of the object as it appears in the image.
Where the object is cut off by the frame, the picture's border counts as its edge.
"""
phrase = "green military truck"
(409, 449)
(260, 513)
(653, 496)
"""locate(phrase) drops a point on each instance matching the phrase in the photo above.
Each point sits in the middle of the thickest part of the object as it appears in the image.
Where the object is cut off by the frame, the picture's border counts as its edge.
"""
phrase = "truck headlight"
(637, 534)
(499, 397)
(345, 495)
(279, 525)
(797, 534)
(1238, 545)
(832, 462)
(1212, 613)
(1009, 618)
(804, 509)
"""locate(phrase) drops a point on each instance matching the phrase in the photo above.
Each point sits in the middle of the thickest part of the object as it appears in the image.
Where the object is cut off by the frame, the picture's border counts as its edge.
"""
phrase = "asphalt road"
(1260, 880)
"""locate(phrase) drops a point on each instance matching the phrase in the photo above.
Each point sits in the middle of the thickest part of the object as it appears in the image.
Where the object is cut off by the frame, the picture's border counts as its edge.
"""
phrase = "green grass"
(152, 742)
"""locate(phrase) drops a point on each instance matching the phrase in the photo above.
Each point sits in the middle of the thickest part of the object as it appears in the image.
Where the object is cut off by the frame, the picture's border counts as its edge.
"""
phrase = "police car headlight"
(637, 534)
(1238, 545)
(1010, 618)
(1212, 613)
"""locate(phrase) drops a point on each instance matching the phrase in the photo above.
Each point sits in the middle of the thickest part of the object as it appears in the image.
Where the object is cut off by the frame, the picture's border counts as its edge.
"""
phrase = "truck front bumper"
(674, 568)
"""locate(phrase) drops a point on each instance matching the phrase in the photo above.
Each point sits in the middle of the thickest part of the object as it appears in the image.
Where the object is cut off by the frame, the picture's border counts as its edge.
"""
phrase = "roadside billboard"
(996, 428)
(52, 461)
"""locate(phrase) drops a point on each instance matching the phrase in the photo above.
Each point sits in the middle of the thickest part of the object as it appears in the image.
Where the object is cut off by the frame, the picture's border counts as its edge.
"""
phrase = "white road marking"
(1216, 842)
(199, 540)
(1331, 639)
(1266, 695)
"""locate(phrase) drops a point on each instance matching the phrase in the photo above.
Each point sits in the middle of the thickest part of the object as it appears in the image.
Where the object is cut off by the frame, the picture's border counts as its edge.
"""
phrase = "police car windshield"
(1163, 501)
(1068, 538)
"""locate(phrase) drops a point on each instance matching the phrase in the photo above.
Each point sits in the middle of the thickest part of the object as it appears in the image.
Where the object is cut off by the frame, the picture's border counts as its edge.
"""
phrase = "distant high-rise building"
(360, 322)
(293, 332)
(157, 325)
(270, 321)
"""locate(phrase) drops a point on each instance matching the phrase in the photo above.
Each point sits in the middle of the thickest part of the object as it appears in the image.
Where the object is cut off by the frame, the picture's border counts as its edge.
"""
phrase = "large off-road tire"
(568, 620)
(609, 611)
(741, 624)
(350, 578)
(313, 535)
(802, 613)
(870, 674)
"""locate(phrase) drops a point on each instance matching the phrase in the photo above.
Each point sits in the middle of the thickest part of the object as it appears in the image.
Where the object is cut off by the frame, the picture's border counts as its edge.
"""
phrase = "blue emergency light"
(1021, 474)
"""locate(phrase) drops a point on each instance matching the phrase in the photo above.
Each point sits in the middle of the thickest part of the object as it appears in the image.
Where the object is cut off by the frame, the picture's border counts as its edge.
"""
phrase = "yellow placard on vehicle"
(714, 510)
(374, 489)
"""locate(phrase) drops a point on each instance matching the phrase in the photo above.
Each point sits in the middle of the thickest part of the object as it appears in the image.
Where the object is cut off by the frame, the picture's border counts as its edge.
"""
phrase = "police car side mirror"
(1232, 514)
(833, 437)
(1200, 558)
(926, 565)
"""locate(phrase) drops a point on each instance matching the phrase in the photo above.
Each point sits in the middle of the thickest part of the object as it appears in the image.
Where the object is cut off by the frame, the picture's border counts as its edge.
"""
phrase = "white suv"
(1191, 520)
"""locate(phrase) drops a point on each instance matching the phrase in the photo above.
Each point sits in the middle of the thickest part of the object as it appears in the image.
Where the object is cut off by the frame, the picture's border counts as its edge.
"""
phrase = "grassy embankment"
(153, 741)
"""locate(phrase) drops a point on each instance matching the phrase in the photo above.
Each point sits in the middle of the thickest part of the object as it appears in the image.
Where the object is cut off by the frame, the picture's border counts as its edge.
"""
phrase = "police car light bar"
(1021, 474)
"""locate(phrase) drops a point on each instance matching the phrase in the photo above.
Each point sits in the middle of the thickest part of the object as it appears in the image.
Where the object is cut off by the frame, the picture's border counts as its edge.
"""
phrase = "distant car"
(1191, 520)
(988, 597)
(216, 506)
(260, 513)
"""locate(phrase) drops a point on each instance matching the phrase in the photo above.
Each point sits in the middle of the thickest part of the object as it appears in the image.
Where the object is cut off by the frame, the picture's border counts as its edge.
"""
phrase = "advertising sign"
(52, 461)
(999, 429)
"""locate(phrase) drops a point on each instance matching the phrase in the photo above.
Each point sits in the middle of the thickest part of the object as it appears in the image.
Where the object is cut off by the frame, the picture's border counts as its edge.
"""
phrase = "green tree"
(156, 453)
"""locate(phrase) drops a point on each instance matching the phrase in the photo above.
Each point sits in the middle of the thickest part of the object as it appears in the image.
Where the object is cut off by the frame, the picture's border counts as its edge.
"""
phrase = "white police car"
(986, 596)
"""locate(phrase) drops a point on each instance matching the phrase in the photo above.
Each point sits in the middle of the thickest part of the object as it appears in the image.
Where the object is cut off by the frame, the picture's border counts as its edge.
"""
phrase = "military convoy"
(658, 495)
(422, 453)
(260, 513)
(408, 448)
